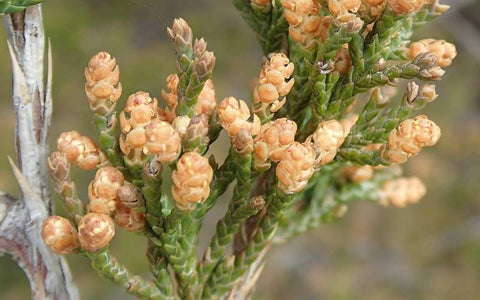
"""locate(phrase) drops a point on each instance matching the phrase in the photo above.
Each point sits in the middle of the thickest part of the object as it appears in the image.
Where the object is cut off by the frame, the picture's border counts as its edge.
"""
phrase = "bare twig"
(20, 220)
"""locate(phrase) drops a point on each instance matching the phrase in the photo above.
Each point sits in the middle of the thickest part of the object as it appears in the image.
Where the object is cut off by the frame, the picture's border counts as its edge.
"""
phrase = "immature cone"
(402, 7)
(358, 173)
(162, 140)
(326, 140)
(196, 134)
(130, 196)
(295, 168)
(139, 111)
(371, 9)
(103, 190)
(80, 150)
(342, 59)
(206, 100)
(102, 86)
(344, 10)
(95, 231)
(443, 51)
(129, 219)
(427, 93)
(409, 138)
(171, 97)
(191, 180)
(243, 142)
(273, 85)
(233, 115)
(402, 192)
(59, 235)
(272, 141)
(306, 26)
(59, 167)
(181, 35)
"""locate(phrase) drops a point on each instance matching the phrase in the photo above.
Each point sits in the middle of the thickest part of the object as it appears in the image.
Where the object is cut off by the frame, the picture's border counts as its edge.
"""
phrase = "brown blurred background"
(427, 251)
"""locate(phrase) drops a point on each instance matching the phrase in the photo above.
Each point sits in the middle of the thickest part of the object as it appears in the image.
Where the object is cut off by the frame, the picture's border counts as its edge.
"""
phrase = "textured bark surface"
(21, 220)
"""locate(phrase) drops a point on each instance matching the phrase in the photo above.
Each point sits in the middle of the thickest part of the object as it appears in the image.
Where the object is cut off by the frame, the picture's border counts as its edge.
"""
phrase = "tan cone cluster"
(234, 116)
(95, 231)
(443, 51)
(344, 10)
(191, 180)
(274, 83)
(102, 87)
(306, 25)
(139, 111)
(163, 140)
(409, 138)
(80, 150)
(358, 173)
(402, 7)
(103, 190)
(326, 140)
(60, 235)
(402, 192)
(272, 141)
(295, 168)
(206, 100)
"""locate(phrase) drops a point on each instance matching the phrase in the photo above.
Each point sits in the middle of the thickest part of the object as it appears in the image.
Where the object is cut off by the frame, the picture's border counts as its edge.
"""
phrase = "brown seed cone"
(272, 141)
(326, 140)
(274, 83)
(191, 180)
(443, 51)
(371, 9)
(402, 7)
(129, 219)
(409, 138)
(59, 235)
(295, 168)
(95, 231)
(103, 190)
(130, 196)
(343, 62)
(102, 86)
(162, 140)
(80, 150)
(233, 115)
(402, 192)
(358, 173)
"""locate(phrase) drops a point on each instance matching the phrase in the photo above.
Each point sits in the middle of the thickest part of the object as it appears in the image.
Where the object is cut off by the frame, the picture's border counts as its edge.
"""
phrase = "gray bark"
(21, 220)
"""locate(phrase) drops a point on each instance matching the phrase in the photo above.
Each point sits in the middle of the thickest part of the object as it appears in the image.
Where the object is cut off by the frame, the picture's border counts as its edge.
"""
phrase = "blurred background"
(427, 251)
